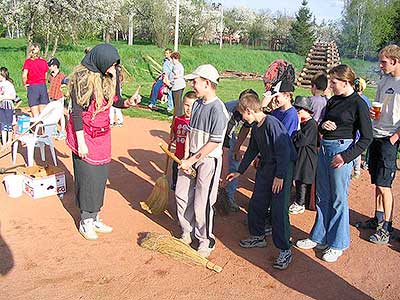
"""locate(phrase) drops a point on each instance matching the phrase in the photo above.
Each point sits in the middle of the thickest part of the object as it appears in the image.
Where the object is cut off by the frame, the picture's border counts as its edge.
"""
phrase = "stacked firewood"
(321, 58)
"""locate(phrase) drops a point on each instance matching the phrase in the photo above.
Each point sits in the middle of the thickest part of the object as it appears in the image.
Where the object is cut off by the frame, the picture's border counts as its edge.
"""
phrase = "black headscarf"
(100, 58)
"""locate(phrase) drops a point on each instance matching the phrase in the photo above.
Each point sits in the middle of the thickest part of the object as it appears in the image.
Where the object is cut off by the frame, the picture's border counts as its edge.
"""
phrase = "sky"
(321, 9)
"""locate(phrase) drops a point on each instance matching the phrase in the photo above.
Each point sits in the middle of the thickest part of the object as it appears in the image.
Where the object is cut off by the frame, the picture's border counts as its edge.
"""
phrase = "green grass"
(239, 58)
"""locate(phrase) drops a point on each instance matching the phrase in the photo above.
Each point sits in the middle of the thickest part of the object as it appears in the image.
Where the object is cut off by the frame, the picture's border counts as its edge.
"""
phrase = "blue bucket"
(23, 123)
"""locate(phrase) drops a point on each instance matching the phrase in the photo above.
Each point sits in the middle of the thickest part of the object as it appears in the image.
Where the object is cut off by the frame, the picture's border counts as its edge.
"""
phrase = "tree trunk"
(116, 35)
(47, 44)
(191, 41)
(130, 30)
(53, 52)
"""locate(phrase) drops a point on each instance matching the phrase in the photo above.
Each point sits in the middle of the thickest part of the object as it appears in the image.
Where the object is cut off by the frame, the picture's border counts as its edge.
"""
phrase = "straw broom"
(157, 202)
(178, 250)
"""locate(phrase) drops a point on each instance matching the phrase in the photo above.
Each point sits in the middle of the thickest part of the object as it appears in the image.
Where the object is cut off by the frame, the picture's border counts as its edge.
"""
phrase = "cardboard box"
(42, 182)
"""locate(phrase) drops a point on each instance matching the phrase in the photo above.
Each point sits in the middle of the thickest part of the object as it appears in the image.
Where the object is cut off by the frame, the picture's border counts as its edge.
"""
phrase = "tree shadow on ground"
(134, 188)
(6, 257)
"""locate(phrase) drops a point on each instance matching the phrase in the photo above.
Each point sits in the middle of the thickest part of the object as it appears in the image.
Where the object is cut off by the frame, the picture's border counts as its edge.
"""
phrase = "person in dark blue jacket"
(270, 139)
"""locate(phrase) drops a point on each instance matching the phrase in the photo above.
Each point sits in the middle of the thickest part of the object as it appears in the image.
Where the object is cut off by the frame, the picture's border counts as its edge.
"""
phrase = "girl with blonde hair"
(94, 87)
(34, 74)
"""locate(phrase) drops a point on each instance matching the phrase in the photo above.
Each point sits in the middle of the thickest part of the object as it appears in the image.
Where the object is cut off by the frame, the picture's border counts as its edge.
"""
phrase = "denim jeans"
(331, 225)
(233, 167)
(154, 92)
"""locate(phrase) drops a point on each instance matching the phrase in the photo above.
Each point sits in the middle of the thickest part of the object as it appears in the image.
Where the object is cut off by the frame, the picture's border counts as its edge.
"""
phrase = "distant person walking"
(34, 73)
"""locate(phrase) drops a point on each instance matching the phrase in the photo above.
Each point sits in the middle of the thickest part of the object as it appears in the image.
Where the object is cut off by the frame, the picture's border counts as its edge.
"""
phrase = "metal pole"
(176, 27)
(222, 26)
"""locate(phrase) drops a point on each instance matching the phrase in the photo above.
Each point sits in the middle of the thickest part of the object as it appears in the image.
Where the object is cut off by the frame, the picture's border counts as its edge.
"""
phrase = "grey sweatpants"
(195, 198)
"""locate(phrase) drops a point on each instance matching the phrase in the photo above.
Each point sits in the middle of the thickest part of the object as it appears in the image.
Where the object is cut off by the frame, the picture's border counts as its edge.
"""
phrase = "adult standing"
(345, 113)
(384, 147)
(178, 83)
(94, 88)
(34, 74)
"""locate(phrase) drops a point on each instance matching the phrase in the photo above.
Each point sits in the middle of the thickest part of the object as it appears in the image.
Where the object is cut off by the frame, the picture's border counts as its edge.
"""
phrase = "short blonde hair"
(249, 101)
(391, 51)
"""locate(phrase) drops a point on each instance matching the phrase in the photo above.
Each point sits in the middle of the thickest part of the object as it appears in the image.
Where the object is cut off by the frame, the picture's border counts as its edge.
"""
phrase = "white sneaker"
(307, 244)
(99, 226)
(331, 255)
(295, 209)
(205, 252)
(186, 238)
(86, 228)
(151, 106)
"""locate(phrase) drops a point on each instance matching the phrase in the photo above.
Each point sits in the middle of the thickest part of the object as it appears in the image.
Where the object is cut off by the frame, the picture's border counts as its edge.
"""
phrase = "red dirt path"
(42, 255)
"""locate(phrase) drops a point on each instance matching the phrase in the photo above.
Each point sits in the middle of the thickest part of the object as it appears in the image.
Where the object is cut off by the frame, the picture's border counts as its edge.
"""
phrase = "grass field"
(239, 58)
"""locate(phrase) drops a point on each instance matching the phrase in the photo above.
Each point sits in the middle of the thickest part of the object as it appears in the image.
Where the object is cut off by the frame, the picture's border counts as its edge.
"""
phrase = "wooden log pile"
(321, 58)
(241, 75)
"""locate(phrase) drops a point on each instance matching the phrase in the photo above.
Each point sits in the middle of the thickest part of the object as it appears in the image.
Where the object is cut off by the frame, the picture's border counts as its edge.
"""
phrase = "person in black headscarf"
(94, 87)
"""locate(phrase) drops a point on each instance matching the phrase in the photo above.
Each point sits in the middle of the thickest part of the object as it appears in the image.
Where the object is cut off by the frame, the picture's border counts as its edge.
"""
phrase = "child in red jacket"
(179, 132)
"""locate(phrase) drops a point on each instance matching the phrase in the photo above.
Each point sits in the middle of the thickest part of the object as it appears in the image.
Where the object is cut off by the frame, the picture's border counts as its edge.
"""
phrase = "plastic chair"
(42, 134)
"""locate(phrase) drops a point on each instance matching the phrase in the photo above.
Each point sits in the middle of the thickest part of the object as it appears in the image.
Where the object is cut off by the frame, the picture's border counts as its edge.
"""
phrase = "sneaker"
(119, 124)
(254, 241)
(86, 228)
(268, 229)
(283, 260)
(150, 106)
(61, 136)
(371, 223)
(331, 255)
(364, 165)
(186, 238)
(233, 207)
(307, 244)
(99, 226)
(295, 209)
(380, 237)
(205, 252)
(356, 175)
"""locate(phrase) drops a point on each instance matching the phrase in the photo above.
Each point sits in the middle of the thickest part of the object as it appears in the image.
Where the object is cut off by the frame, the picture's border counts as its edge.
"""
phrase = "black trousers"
(303, 193)
(90, 183)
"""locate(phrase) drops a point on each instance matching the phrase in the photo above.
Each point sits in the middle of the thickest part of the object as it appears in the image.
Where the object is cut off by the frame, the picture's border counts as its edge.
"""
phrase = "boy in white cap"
(195, 197)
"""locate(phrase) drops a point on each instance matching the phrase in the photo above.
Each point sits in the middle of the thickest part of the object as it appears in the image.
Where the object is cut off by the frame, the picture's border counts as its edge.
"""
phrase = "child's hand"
(232, 176)
(277, 185)
(337, 161)
(329, 125)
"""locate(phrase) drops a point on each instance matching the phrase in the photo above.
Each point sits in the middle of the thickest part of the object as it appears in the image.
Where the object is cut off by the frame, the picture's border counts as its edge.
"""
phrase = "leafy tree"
(302, 37)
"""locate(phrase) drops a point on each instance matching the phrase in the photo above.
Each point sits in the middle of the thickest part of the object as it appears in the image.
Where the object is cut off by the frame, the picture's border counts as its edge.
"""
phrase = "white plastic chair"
(42, 135)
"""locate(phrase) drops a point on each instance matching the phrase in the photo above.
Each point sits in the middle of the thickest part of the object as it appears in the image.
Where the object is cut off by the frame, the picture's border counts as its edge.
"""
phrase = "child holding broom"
(179, 132)
(270, 139)
(195, 197)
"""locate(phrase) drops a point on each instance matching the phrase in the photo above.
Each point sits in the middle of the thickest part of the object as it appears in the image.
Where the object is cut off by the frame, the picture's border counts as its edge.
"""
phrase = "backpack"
(277, 71)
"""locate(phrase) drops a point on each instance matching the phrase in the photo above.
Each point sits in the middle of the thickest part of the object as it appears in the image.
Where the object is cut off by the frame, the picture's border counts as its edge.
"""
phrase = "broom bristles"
(157, 202)
(178, 250)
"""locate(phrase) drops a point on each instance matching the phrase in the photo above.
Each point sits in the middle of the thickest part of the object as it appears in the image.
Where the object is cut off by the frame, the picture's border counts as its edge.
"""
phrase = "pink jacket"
(97, 133)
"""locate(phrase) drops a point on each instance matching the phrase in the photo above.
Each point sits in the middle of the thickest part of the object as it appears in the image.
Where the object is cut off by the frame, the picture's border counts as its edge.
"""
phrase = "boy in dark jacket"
(305, 142)
(270, 139)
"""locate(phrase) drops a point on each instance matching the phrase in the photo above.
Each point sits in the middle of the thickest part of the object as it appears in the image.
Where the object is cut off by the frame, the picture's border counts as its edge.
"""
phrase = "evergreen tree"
(301, 33)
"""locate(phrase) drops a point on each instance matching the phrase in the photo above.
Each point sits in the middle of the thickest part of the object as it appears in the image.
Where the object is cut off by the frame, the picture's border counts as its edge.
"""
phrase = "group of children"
(285, 145)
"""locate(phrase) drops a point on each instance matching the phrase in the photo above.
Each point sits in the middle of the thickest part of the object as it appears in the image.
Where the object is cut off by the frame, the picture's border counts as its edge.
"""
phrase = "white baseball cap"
(208, 72)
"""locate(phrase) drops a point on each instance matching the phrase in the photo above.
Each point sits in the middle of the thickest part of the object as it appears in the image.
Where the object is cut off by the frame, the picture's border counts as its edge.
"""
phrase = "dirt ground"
(43, 256)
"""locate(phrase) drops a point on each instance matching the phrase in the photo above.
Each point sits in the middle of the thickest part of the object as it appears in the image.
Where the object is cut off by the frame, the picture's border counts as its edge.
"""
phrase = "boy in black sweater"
(270, 139)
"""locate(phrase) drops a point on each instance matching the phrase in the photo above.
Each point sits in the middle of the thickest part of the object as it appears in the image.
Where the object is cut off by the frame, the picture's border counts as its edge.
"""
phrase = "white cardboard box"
(42, 182)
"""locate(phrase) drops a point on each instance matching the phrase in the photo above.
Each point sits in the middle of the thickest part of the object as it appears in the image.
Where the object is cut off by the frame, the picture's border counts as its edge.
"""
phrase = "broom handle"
(211, 266)
(167, 161)
(178, 161)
